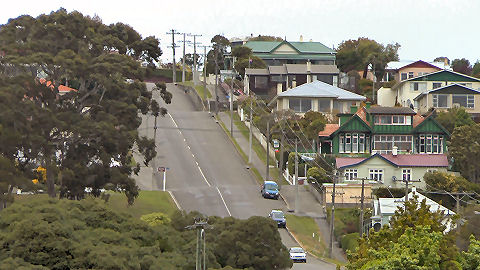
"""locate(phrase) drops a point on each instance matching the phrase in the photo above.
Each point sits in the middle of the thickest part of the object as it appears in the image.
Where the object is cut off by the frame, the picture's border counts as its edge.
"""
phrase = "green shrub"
(349, 242)
(155, 219)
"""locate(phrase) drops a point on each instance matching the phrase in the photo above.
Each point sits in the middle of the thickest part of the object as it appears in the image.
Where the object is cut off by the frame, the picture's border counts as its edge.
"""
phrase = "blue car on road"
(270, 190)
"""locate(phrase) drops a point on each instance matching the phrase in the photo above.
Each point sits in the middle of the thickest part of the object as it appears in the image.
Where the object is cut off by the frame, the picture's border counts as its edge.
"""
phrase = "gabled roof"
(450, 86)
(286, 69)
(436, 76)
(425, 120)
(397, 65)
(389, 205)
(320, 89)
(355, 117)
(390, 110)
(301, 47)
(407, 160)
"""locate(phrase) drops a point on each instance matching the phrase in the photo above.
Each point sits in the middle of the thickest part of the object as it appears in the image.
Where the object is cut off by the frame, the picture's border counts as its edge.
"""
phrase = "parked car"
(297, 254)
(278, 217)
(270, 190)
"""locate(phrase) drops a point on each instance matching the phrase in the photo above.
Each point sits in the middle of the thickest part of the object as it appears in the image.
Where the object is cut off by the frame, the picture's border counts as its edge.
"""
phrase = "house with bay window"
(406, 91)
(390, 169)
(317, 96)
(369, 130)
(449, 96)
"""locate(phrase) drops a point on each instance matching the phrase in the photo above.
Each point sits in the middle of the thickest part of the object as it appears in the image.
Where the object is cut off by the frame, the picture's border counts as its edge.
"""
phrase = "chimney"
(301, 38)
(394, 151)
(353, 109)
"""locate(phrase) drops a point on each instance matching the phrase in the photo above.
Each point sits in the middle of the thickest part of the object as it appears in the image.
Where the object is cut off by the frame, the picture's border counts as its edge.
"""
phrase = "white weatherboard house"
(384, 209)
(319, 97)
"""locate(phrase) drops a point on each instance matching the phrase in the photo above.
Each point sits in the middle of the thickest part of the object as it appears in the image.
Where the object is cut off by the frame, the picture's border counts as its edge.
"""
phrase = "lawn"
(198, 88)
(146, 203)
(308, 234)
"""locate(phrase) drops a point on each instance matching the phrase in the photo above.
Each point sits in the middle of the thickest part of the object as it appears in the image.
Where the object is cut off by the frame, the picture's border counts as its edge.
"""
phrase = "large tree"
(462, 66)
(84, 138)
(245, 59)
(476, 69)
(359, 54)
(414, 240)
(454, 117)
(465, 149)
(219, 49)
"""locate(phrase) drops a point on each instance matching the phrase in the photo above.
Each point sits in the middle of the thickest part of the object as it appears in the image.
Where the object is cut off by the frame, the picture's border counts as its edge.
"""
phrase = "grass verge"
(258, 149)
(306, 231)
(199, 89)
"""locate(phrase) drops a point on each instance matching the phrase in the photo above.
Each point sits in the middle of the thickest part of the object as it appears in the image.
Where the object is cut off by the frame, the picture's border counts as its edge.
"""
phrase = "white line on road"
(226, 207)
(188, 146)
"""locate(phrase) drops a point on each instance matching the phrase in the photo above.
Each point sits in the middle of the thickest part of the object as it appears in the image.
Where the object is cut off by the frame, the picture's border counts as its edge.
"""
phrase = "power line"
(173, 32)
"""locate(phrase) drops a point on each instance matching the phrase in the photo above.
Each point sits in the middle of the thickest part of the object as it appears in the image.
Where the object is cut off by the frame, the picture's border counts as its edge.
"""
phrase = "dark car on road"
(270, 190)
(278, 217)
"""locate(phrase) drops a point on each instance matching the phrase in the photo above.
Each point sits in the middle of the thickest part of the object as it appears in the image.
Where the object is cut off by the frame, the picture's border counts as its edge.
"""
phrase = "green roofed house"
(369, 130)
(276, 53)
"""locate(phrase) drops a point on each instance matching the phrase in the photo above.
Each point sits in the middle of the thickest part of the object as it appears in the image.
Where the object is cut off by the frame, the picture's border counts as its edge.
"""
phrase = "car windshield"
(271, 186)
(277, 214)
(296, 250)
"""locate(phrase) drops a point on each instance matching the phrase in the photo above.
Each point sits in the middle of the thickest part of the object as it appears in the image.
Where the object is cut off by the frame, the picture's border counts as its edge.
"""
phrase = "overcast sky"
(425, 29)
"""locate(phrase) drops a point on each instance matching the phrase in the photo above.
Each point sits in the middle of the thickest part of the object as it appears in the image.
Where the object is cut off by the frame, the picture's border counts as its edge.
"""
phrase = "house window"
(392, 120)
(467, 101)
(403, 76)
(430, 144)
(437, 85)
(261, 82)
(355, 142)
(338, 106)
(418, 86)
(348, 143)
(351, 174)
(341, 146)
(410, 74)
(384, 143)
(376, 174)
(406, 174)
(277, 78)
(361, 143)
(324, 105)
(300, 104)
(440, 101)
(469, 85)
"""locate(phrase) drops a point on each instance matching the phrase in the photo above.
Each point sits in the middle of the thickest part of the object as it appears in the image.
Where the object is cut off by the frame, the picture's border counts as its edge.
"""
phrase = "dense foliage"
(414, 240)
(464, 148)
(84, 137)
(64, 234)
(454, 117)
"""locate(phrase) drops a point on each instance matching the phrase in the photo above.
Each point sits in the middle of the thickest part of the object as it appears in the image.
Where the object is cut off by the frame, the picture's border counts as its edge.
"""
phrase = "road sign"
(276, 143)
(162, 169)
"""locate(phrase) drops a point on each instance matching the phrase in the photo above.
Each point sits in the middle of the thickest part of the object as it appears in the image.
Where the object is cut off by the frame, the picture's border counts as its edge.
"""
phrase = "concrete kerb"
(175, 200)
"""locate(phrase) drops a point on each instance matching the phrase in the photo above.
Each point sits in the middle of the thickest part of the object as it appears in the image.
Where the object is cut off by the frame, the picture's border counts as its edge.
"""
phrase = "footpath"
(308, 204)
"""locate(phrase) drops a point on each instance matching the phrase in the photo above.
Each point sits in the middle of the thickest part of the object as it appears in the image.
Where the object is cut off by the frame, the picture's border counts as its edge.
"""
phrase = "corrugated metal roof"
(320, 89)
(390, 110)
(262, 46)
(325, 69)
(303, 47)
(257, 71)
(275, 70)
(311, 47)
(400, 64)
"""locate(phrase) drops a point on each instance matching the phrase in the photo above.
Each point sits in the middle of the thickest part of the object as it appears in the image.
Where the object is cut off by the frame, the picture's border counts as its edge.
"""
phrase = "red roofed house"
(390, 169)
(62, 89)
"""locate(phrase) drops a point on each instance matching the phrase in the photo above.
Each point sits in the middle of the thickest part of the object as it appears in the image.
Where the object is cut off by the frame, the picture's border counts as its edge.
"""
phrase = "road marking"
(175, 200)
(188, 146)
(226, 207)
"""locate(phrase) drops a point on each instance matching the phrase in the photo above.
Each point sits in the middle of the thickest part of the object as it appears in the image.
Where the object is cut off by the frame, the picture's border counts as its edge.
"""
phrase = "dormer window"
(393, 120)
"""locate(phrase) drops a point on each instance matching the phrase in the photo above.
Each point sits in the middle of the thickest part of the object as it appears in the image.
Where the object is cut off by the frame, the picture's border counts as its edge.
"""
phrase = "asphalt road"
(205, 172)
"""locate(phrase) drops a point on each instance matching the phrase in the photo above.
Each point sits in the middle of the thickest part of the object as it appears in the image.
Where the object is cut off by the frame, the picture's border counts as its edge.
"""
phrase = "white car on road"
(297, 254)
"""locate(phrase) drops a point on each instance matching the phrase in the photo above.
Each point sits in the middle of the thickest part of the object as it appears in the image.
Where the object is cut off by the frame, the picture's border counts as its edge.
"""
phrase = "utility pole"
(373, 86)
(216, 79)
(250, 131)
(183, 59)
(361, 207)
(200, 226)
(204, 72)
(173, 32)
(407, 182)
(154, 162)
(195, 81)
(267, 173)
(332, 220)
(231, 98)
(296, 176)
(282, 139)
